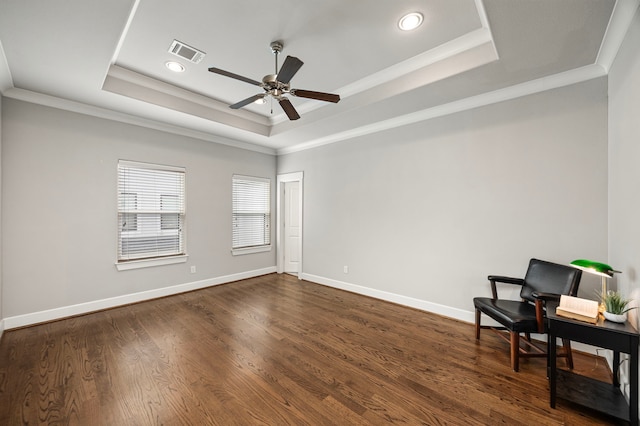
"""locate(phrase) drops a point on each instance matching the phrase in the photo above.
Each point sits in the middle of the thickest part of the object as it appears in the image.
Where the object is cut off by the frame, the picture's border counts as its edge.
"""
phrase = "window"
(169, 220)
(130, 220)
(151, 211)
(251, 214)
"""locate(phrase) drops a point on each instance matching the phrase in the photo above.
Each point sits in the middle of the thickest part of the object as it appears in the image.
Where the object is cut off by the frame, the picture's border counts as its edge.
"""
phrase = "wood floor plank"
(272, 350)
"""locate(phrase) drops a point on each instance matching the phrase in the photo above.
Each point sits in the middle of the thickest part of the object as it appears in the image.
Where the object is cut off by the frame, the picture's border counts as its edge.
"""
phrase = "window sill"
(146, 263)
(250, 250)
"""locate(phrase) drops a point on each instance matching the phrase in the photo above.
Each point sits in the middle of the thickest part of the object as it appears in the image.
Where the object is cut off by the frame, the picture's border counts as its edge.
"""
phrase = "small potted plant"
(616, 306)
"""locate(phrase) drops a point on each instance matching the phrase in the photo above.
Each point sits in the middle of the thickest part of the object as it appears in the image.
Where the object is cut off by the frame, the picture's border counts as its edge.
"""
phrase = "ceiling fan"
(277, 85)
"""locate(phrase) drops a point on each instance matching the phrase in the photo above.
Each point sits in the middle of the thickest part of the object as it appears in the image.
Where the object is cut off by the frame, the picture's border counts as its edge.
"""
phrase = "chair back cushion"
(548, 277)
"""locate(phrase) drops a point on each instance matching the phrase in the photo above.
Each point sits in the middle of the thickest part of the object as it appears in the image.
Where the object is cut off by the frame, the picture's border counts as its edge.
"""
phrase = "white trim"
(281, 180)
(621, 19)
(121, 117)
(125, 32)
(6, 80)
(1, 327)
(447, 50)
(239, 251)
(98, 305)
(151, 166)
(528, 88)
(290, 177)
(482, 14)
(465, 44)
(146, 263)
(423, 305)
(178, 256)
(484, 21)
(411, 302)
(251, 178)
(250, 250)
(156, 92)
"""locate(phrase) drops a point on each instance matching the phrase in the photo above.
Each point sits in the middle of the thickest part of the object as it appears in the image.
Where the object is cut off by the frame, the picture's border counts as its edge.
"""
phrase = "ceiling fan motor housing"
(273, 87)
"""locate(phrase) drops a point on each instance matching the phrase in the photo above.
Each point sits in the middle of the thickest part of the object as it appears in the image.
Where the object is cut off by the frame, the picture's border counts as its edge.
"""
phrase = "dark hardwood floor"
(272, 350)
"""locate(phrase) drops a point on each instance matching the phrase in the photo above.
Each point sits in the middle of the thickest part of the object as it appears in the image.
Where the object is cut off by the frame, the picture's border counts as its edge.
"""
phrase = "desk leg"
(551, 348)
(616, 369)
(633, 382)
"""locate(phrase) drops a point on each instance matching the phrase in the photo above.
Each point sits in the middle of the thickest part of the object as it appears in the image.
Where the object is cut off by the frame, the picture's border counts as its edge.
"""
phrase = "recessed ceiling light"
(410, 21)
(175, 66)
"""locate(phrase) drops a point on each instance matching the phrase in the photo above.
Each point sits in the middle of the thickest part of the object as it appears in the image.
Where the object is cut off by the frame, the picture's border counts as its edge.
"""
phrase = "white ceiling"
(107, 58)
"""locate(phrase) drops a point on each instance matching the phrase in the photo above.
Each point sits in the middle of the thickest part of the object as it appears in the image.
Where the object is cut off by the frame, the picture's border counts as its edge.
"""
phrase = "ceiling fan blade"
(289, 68)
(236, 76)
(247, 101)
(321, 96)
(288, 108)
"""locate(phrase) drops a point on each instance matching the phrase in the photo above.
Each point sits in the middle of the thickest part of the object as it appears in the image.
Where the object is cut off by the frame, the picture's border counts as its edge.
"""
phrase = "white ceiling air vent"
(189, 53)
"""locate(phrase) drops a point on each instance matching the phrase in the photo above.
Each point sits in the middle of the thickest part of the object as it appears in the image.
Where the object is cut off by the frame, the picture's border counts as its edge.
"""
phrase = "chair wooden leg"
(515, 351)
(567, 350)
(477, 324)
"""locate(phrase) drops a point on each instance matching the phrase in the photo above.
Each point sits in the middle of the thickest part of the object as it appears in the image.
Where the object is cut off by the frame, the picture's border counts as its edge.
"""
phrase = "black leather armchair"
(543, 282)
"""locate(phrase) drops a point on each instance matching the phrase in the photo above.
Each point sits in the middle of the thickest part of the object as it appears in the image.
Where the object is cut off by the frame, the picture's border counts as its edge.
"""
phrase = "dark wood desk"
(604, 397)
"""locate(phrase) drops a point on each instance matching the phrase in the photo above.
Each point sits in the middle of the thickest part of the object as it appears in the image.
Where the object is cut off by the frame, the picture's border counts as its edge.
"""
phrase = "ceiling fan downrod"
(276, 48)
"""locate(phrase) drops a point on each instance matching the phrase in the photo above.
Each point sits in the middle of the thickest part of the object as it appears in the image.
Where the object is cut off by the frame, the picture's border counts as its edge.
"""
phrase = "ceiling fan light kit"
(277, 85)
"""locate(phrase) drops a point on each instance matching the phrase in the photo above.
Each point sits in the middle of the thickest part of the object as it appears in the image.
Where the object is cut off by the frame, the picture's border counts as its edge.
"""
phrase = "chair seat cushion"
(514, 315)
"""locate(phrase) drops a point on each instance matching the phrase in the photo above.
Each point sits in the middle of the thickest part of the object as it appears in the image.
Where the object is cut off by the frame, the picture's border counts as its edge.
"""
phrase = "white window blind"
(251, 212)
(151, 211)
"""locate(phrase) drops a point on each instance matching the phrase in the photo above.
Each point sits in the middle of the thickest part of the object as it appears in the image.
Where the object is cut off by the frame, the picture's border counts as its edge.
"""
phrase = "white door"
(292, 227)
(289, 234)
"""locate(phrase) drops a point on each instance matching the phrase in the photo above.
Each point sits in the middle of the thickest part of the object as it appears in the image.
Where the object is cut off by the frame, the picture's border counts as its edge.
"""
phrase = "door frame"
(280, 200)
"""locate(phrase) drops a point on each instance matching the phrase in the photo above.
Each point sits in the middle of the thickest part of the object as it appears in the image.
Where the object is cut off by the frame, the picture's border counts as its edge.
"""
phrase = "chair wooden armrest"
(546, 297)
(493, 279)
(541, 302)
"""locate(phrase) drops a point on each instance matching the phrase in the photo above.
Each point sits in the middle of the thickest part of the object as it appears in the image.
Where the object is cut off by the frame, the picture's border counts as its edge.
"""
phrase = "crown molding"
(619, 23)
(81, 108)
(535, 86)
(6, 81)
(621, 19)
(463, 44)
(528, 88)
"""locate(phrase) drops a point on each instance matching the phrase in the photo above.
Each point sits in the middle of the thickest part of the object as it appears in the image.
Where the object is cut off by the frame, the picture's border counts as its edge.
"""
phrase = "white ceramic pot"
(615, 317)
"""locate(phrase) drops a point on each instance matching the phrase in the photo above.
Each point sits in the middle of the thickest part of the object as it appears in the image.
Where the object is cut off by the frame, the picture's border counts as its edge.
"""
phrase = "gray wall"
(624, 156)
(424, 212)
(59, 207)
(429, 210)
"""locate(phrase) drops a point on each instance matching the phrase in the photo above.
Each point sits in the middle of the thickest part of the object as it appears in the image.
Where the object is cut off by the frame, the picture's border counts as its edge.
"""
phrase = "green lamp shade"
(594, 267)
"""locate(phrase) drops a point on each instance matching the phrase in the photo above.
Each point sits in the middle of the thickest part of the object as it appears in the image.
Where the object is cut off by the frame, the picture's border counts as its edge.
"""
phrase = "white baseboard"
(84, 308)
(423, 305)
(97, 305)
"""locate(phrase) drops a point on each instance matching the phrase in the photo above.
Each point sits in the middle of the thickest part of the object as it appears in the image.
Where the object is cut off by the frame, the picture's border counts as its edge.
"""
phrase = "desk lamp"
(601, 269)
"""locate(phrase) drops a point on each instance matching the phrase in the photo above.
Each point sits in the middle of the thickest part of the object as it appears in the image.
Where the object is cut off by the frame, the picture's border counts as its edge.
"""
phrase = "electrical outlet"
(345, 269)
(193, 269)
